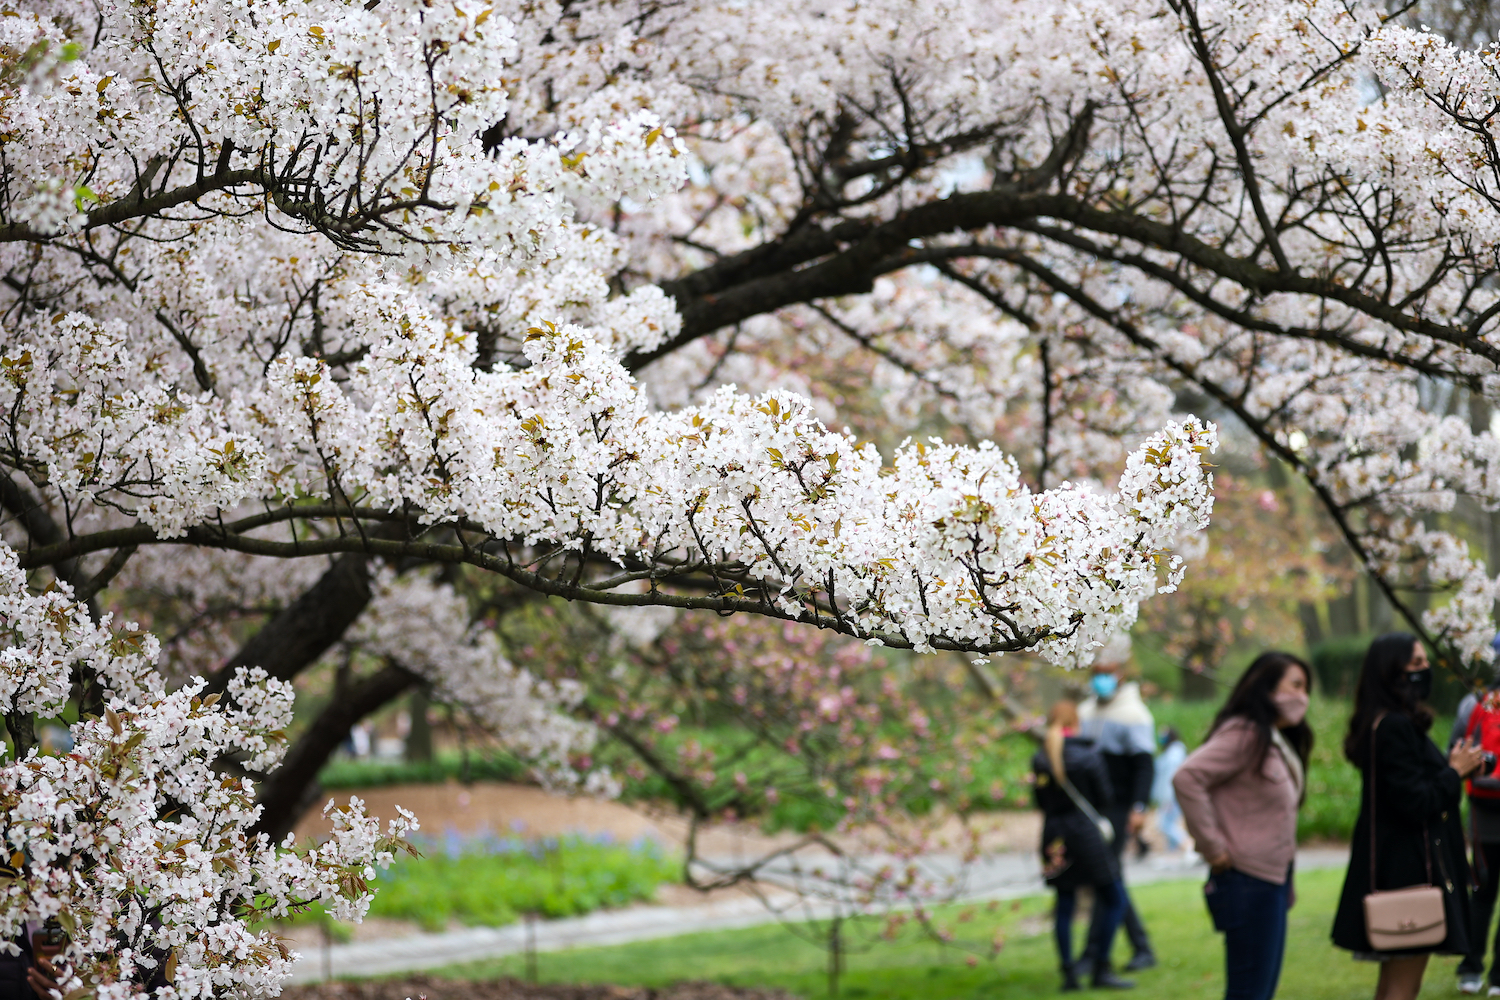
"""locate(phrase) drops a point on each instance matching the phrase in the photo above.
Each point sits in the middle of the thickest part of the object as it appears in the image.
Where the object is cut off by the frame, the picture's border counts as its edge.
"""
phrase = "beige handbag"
(1407, 918)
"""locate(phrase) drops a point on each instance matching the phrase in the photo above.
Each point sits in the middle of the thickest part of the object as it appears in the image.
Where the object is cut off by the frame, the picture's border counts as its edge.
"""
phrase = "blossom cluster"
(135, 841)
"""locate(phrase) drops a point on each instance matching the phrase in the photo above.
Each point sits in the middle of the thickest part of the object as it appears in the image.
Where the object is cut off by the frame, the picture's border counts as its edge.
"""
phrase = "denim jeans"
(1251, 914)
(1169, 822)
(1109, 910)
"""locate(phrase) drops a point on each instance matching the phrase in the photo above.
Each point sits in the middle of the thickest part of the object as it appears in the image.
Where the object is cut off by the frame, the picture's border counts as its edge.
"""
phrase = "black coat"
(1416, 819)
(1131, 776)
(1073, 850)
(13, 984)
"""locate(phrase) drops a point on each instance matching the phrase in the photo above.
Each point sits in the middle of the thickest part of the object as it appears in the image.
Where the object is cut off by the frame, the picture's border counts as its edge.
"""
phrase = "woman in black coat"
(1416, 792)
(1074, 851)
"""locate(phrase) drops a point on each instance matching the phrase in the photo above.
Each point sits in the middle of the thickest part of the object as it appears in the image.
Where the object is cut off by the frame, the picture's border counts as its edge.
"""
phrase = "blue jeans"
(1109, 908)
(1169, 822)
(1251, 914)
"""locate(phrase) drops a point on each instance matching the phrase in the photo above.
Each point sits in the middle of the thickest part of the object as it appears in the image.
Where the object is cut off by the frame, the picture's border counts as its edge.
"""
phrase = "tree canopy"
(309, 307)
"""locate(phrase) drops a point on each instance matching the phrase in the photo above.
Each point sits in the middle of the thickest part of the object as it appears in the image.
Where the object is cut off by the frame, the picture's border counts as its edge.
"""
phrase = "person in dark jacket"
(1484, 841)
(29, 974)
(1416, 817)
(1074, 851)
(14, 969)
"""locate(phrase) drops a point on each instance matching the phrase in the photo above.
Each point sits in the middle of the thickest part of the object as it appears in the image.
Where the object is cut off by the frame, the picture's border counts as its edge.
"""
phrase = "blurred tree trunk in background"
(1199, 680)
(1312, 625)
(419, 740)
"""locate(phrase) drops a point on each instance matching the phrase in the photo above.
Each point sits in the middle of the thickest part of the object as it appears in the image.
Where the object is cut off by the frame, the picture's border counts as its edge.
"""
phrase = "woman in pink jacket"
(1239, 794)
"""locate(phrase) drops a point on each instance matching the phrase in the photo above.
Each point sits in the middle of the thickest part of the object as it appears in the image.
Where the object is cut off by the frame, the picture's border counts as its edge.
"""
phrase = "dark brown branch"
(139, 207)
(399, 549)
(107, 572)
(845, 259)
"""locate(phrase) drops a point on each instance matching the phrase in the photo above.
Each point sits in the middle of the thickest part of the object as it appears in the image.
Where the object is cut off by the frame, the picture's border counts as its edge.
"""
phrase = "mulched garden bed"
(413, 987)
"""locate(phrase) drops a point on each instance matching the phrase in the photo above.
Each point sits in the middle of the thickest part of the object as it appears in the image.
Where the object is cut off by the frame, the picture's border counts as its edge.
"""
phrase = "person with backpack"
(1478, 721)
(1239, 793)
(1072, 789)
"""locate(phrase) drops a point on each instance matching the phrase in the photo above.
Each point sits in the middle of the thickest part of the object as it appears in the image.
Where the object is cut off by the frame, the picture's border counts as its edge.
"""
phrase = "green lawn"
(912, 970)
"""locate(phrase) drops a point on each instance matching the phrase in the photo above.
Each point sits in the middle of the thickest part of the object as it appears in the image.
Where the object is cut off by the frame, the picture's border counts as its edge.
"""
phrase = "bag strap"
(1426, 843)
(1373, 730)
(1083, 804)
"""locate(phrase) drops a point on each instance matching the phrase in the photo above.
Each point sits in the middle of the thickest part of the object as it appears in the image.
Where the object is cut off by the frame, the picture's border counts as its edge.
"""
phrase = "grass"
(909, 969)
(490, 881)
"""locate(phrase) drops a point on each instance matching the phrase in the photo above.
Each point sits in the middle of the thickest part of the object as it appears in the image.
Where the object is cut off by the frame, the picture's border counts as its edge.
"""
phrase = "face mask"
(1421, 683)
(1104, 685)
(1291, 706)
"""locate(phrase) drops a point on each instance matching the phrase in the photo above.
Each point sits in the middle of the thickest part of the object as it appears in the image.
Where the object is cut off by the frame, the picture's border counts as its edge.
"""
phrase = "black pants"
(1482, 903)
(1140, 944)
(1109, 902)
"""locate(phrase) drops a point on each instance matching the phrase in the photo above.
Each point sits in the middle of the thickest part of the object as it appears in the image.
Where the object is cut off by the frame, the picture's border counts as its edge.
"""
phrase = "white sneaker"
(1470, 984)
(1494, 991)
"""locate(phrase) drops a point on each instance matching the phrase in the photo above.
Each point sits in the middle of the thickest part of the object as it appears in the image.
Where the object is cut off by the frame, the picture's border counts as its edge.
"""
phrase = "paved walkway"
(1003, 876)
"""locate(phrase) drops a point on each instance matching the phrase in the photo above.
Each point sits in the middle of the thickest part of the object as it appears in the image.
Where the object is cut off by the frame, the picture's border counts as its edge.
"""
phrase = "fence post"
(530, 947)
(835, 954)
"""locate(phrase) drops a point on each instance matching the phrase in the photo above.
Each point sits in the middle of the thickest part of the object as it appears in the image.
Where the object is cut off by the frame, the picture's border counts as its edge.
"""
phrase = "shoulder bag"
(1408, 918)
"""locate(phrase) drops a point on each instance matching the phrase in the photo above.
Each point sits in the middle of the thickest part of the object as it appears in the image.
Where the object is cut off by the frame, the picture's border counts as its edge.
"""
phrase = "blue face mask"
(1104, 685)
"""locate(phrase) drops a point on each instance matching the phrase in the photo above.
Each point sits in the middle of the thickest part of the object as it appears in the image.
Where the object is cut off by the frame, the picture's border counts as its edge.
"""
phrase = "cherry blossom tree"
(315, 311)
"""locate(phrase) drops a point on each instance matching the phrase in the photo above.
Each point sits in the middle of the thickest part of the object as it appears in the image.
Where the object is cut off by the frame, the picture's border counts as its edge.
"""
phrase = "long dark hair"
(1383, 688)
(1251, 700)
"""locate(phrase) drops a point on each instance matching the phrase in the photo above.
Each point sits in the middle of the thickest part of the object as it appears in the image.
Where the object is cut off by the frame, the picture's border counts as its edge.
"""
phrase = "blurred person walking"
(1478, 720)
(1072, 789)
(1168, 811)
(1239, 794)
(1120, 726)
(1408, 833)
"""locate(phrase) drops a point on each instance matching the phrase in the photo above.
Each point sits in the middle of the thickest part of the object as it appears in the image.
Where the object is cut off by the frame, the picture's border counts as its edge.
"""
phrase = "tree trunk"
(1312, 628)
(419, 740)
(1198, 683)
(22, 726)
(287, 792)
(1343, 614)
(305, 629)
(1379, 613)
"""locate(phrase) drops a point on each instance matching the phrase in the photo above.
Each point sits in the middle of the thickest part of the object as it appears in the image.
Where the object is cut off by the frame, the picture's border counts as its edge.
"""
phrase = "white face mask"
(1291, 705)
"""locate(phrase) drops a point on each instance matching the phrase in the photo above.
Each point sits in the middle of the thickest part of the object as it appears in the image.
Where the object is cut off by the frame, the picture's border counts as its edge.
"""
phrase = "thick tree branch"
(483, 556)
(845, 259)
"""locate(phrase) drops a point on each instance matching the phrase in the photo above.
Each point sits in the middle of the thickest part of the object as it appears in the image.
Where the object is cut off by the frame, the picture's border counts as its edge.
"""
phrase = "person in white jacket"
(1124, 733)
